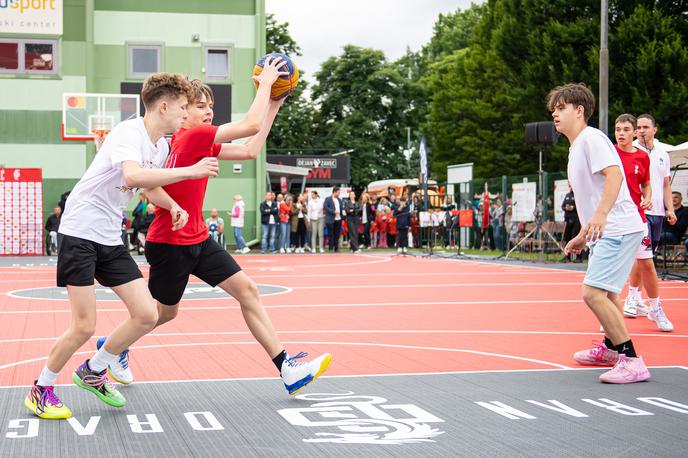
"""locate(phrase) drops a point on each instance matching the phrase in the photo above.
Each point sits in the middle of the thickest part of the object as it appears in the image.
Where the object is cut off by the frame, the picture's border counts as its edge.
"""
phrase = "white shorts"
(645, 247)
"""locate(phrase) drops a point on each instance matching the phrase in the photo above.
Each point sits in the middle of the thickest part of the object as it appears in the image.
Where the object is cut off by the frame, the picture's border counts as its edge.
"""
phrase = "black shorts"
(171, 265)
(80, 261)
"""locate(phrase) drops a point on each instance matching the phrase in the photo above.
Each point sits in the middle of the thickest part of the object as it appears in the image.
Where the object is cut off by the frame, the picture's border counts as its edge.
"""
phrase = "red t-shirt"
(188, 147)
(637, 170)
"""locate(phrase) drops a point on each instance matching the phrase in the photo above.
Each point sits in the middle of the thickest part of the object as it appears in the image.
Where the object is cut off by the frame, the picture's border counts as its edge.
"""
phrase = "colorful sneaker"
(296, 375)
(43, 402)
(598, 356)
(659, 317)
(118, 370)
(98, 384)
(627, 370)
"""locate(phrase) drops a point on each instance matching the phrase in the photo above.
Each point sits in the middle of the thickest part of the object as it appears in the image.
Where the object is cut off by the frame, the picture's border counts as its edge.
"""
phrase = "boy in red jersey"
(173, 256)
(636, 165)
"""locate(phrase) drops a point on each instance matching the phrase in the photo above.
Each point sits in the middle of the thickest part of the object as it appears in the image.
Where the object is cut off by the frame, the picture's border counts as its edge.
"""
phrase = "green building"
(51, 47)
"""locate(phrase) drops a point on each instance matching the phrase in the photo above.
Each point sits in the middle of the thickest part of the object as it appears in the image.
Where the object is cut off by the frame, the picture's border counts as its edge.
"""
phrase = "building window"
(217, 63)
(144, 60)
(28, 56)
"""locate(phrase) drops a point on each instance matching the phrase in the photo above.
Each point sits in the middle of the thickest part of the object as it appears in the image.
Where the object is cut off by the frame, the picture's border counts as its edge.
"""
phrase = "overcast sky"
(322, 27)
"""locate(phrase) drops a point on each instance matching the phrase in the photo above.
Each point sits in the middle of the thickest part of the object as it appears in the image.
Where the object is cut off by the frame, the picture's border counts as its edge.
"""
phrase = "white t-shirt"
(590, 153)
(338, 211)
(94, 208)
(315, 209)
(238, 221)
(660, 168)
(216, 221)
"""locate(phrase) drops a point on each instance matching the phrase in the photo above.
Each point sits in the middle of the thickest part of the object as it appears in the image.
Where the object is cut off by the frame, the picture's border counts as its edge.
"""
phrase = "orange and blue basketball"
(285, 84)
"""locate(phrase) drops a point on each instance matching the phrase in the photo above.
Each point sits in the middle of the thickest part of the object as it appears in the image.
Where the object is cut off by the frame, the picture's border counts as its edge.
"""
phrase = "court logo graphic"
(362, 420)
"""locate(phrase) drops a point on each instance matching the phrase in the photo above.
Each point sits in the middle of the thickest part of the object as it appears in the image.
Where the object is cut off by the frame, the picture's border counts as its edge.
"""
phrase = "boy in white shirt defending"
(612, 228)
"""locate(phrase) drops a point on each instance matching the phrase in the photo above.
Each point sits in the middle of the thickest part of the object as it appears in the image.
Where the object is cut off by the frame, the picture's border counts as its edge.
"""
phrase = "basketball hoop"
(99, 137)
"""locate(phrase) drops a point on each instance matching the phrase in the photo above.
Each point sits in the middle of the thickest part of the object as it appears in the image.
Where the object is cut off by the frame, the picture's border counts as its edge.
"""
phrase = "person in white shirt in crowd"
(660, 181)
(237, 224)
(316, 216)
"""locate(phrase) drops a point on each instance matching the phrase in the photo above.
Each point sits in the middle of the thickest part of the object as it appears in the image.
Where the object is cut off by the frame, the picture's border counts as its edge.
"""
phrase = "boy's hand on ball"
(271, 71)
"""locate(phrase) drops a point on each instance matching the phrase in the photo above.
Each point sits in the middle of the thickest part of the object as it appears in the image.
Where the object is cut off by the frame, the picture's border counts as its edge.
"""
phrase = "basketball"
(285, 84)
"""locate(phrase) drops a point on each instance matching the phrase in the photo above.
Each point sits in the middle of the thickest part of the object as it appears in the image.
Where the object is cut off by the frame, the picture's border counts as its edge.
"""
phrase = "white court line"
(363, 304)
(434, 285)
(359, 344)
(398, 374)
(372, 331)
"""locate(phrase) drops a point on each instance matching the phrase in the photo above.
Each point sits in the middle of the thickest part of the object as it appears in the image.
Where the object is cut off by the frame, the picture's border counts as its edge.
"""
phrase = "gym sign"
(36, 17)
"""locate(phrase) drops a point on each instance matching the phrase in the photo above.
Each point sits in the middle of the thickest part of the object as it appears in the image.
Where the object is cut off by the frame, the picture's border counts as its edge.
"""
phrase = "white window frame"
(21, 56)
(130, 59)
(229, 48)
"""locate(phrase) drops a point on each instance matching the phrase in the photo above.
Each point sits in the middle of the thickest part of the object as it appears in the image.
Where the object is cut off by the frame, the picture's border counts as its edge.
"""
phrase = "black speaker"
(541, 133)
(531, 133)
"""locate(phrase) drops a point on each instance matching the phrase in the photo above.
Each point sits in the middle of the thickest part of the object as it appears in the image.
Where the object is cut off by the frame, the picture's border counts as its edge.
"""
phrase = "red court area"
(376, 314)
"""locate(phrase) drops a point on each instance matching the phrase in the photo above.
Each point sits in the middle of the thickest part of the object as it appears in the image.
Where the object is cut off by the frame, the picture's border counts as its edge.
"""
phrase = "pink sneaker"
(598, 356)
(627, 370)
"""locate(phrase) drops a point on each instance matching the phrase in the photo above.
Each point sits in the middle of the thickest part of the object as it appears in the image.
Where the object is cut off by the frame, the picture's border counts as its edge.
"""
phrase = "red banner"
(21, 212)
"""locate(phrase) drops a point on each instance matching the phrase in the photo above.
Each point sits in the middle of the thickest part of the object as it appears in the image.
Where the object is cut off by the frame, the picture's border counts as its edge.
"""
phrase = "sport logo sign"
(362, 420)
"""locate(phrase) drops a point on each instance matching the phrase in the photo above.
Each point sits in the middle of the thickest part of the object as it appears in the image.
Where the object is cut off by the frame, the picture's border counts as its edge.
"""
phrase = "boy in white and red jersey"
(173, 256)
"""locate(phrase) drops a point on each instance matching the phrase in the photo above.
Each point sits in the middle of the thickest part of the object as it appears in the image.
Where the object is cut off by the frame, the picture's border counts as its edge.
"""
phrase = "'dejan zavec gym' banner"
(36, 17)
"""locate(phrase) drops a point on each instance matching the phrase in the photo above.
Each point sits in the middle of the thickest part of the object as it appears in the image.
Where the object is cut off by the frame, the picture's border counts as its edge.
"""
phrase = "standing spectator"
(448, 207)
(497, 223)
(63, 201)
(317, 219)
(477, 220)
(238, 224)
(216, 226)
(403, 217)
(673, 233)
(333, 219)
(268, 216)
(52, 224)
(136, 216)
(298, 222)
(367, 217)
(382, 220)
(572, 224)
(352, 210)
(285, 223)
(279, 198)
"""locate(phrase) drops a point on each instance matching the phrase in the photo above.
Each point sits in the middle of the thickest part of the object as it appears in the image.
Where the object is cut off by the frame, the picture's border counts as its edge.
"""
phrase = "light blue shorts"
(611, 261)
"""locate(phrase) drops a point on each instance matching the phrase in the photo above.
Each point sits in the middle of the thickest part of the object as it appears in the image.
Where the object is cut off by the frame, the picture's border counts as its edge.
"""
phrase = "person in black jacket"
(572, 223)
(52, 224)
(403, 216)
(142, 225)
(352, 211)
(269, 211)
(673, 233)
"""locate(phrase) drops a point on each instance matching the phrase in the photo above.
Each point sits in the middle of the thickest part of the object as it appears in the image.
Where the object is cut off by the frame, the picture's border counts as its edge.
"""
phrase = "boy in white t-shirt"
(611, 226)
(644, 270)
(91, 247)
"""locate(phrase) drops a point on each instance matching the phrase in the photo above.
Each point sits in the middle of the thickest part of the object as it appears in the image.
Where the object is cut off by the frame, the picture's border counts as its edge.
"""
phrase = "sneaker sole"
(623, 381)
(323, 367)
(103, 398)
(112, 376)
(630, 315)
(29, 405)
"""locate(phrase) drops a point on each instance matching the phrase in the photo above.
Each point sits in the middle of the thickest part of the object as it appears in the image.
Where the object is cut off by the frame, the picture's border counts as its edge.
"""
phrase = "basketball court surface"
(431, 357)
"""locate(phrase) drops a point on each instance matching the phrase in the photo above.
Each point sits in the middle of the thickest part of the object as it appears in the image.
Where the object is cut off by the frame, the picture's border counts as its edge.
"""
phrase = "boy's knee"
(147, 319)
(592, 295)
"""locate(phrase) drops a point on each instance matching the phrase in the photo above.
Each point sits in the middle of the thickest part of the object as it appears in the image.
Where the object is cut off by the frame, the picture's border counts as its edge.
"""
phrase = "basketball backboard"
(88, 116)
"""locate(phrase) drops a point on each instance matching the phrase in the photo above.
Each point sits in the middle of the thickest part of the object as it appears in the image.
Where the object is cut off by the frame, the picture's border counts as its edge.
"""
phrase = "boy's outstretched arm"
(251, 148)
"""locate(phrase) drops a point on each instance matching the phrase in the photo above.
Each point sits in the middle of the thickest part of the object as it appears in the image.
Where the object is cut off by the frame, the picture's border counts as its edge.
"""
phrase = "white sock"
(633, 293)
(47, 378)
(654, 303)
(101, 360)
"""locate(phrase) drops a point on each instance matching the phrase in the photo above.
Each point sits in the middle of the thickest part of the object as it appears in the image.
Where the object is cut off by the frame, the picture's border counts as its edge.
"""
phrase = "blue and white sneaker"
(119, 369)
(297, 374)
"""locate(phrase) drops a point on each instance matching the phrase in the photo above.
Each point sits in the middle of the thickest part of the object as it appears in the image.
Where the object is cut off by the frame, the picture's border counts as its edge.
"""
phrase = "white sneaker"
(643, 308)
(237, 251)
(659, 317)
(118, 369)
(246, 250)
(282, 250)
(630, 307)
(321, 250)
(296, 375)
(400, 250)
(404, 250)
(288, 250)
